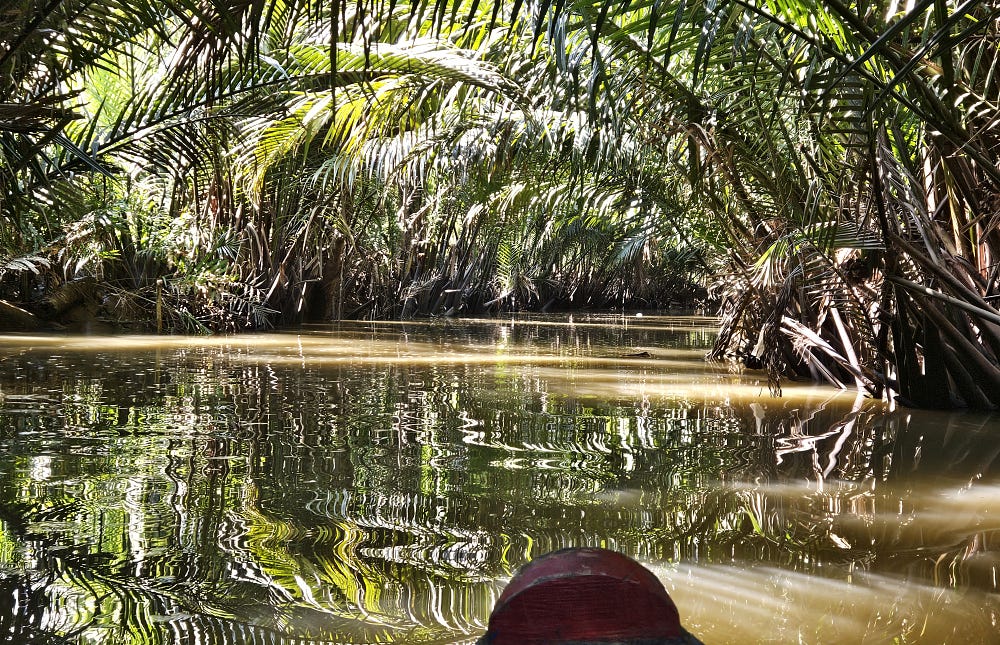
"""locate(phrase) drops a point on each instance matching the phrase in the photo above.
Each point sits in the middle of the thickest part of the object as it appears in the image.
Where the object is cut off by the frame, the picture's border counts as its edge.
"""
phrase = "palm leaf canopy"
(823, 156)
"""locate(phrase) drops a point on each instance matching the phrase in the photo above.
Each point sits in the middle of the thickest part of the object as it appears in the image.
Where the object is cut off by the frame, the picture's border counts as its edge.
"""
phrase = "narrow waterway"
(380, 482)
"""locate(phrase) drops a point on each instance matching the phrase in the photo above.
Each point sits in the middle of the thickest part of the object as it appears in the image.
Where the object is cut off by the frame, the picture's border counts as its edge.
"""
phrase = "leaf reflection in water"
(379, 482)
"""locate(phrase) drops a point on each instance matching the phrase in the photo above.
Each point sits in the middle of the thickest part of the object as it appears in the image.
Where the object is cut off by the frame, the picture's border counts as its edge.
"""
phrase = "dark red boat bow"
(582, 596)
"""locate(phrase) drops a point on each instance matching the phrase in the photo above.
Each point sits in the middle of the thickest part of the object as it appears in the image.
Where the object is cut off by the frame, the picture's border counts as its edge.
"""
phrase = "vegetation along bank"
(825, 173)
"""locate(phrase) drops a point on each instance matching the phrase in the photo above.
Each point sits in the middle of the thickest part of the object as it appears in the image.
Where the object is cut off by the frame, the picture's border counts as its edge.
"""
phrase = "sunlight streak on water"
(767, 605)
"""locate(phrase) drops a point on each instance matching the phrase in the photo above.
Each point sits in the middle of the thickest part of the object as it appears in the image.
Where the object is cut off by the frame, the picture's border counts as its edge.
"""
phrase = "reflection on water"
(381, 482)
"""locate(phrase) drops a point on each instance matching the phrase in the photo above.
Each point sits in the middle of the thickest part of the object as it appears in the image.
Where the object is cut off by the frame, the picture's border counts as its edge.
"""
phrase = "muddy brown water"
(380, 482)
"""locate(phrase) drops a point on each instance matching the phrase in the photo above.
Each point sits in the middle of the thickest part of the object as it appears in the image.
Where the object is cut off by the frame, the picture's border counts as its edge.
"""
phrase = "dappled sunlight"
(824, 176)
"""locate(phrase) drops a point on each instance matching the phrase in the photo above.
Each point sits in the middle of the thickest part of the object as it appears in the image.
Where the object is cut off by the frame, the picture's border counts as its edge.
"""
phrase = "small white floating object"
(639, 315)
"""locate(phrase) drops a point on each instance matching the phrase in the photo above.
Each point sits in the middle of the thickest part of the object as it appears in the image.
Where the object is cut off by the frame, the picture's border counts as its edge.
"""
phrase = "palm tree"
(835, 164)
(849, 158)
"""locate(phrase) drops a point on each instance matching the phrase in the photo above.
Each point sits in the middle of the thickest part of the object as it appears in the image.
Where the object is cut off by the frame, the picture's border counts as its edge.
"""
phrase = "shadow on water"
(380, 483)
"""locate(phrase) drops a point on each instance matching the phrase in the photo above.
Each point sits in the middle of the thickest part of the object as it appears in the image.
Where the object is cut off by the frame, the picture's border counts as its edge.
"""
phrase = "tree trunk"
(13, 318)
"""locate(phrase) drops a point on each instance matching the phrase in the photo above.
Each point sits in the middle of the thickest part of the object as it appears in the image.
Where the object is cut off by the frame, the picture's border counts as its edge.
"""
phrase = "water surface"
(380, 482)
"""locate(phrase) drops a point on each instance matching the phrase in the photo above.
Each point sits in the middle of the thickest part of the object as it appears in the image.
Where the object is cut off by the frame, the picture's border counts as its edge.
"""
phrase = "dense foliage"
(829, 169)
